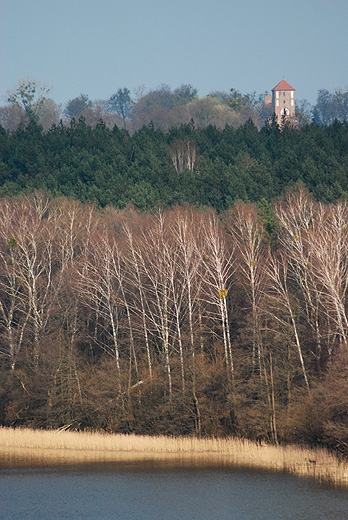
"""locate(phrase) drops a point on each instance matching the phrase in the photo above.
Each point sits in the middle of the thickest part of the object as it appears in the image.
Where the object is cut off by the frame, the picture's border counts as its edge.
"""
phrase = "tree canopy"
(204, 166)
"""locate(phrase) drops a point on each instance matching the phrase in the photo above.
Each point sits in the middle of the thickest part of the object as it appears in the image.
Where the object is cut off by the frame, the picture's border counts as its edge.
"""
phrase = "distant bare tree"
(49, 114)
(11, 116)
(30, 95)
(183, 154)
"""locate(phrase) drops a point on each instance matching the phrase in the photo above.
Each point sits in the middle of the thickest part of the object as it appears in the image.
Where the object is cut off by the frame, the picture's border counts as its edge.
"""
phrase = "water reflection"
(149, 492)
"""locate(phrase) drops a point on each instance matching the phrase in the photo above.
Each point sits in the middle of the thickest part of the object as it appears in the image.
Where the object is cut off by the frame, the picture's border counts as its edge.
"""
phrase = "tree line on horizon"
(180, 322)
(163, 107)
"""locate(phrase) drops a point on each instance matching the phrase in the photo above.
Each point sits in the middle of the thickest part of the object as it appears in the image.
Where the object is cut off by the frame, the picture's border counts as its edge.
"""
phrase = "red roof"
(283, 85)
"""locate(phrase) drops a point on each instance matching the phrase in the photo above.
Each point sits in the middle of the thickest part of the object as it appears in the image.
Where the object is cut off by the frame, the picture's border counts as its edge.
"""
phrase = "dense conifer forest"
(151, 168)
(191, 281)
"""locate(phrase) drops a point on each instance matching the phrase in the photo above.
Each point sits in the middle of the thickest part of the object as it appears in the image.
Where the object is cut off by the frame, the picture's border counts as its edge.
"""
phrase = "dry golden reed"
(26, 446)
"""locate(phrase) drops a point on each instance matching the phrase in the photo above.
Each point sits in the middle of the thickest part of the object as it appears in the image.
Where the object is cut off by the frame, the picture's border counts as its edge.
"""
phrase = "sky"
(96, 47)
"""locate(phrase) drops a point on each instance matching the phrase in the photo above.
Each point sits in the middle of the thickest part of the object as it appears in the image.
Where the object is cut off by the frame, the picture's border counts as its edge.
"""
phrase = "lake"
(135, 491)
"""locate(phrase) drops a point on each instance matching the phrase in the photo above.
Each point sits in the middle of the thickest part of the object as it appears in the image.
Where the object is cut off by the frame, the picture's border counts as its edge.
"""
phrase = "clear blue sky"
(97, 46)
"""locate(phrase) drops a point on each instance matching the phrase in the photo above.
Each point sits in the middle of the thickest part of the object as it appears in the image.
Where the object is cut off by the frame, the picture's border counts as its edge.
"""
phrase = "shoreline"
(23, 447)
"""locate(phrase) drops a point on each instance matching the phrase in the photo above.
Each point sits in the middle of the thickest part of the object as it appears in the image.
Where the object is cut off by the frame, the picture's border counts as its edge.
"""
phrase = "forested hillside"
(150, 168)
(179, 321)
(188, 281)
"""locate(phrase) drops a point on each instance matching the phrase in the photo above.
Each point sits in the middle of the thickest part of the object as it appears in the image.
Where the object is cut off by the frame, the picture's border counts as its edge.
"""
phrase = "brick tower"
(283, 101)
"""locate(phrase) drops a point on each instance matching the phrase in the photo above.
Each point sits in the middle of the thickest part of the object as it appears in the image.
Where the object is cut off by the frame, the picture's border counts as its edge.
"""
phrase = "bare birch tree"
(135, 273)
(30, 243)
(296, 215)
(13, 309)
(314, 236)
(187, 286)
(155, 264)
(328, 261)
(183, 155)
(98, 285)
(218, 268)
(248, 235)
(279, 296)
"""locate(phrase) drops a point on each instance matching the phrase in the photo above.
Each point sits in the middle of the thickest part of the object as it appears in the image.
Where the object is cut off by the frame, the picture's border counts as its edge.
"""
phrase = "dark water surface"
(150, 492)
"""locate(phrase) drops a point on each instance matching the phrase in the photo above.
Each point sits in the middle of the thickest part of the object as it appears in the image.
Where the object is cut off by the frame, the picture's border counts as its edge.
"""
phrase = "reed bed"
(35, 447)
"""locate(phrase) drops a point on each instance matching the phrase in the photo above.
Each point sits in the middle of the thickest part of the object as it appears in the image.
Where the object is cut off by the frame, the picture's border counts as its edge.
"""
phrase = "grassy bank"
(35, 447)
